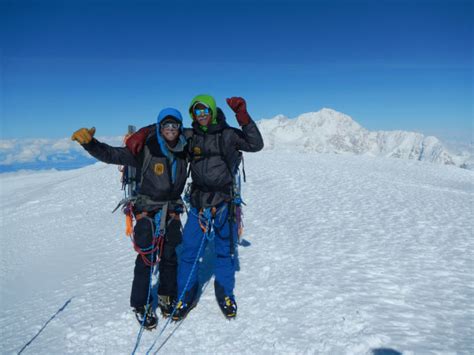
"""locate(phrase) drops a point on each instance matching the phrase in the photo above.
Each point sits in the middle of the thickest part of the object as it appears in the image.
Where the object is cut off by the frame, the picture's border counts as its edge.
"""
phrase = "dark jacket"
(210, 154)
(157, 181)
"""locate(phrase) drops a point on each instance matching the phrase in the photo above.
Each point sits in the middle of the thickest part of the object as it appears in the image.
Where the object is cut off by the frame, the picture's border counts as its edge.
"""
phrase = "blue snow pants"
(224, 267)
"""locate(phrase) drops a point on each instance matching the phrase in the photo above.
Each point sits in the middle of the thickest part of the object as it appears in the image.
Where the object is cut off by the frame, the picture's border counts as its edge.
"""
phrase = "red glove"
(137, 140)
(238, 105)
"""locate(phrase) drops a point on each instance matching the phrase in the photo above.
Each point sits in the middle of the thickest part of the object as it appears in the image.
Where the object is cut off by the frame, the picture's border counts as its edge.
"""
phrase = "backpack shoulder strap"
(146, 161)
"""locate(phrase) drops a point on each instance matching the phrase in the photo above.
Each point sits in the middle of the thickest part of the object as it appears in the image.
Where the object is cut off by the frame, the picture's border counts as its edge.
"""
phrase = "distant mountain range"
(329, 131)
(325, 131)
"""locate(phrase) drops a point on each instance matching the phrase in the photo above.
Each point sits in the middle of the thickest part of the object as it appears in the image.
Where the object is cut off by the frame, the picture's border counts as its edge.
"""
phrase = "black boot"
(182, 310)
(228, 307)
(166, 304)
(146, 316)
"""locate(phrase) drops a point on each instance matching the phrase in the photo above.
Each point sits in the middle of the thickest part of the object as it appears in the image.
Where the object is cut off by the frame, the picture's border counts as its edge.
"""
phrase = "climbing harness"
(206, 218)
(158, 237)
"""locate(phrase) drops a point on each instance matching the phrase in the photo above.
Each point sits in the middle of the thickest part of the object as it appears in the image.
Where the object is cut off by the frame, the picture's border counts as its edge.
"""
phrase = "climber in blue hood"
(162, 165)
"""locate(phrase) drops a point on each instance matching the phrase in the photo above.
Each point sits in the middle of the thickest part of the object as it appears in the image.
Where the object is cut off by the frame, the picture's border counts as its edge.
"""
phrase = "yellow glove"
(83, 135)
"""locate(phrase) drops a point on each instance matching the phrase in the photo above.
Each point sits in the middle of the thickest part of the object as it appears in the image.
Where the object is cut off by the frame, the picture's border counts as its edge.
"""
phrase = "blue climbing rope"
(207, 220)
(45, 325)
(180, 297)
(208, 234)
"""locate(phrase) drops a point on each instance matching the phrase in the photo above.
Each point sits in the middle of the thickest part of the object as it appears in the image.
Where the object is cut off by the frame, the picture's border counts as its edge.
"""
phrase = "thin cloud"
(28, 151)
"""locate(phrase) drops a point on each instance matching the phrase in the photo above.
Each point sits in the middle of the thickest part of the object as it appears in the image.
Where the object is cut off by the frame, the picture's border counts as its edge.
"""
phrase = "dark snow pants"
(143, 234)
(224, 267)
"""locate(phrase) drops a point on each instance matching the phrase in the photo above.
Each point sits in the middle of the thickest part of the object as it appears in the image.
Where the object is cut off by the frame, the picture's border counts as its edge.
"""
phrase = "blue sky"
(388, 64)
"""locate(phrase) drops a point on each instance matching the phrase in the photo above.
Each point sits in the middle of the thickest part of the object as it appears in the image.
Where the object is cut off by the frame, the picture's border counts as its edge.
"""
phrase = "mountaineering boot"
(166, 304)
(146, 316)
(182, 310)
(228, 307)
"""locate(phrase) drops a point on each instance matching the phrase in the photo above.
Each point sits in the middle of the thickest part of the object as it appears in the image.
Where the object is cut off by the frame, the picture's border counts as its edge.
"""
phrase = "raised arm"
(249, 139)
(102, 151)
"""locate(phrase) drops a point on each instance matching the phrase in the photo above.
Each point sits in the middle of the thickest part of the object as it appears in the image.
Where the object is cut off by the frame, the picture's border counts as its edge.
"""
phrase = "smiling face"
(169, 129)
(202, 114)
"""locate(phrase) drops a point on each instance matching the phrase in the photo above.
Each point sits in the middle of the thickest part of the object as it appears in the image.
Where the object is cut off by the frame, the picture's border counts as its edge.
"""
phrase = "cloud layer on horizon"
(33, 153)
(41, 153)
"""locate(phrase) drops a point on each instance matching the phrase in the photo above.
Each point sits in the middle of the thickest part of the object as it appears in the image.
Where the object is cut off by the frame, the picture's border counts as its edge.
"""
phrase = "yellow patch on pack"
(197, 151)
(159, 169)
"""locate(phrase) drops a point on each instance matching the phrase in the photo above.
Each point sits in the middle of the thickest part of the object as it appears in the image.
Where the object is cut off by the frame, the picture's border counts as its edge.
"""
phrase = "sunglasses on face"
(201, 111)
(170, 125)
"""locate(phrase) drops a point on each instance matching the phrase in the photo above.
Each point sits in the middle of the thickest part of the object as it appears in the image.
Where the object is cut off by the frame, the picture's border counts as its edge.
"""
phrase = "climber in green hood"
(203, 110)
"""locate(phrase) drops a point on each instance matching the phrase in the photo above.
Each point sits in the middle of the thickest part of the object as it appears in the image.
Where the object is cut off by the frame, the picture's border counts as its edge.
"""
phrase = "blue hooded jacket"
(176, 115)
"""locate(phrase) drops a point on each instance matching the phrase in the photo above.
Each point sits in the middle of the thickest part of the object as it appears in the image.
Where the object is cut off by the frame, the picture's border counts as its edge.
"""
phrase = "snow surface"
(344, 254)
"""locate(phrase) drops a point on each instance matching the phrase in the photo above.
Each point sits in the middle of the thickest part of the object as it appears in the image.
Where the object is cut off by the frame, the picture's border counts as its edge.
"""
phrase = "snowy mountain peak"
(330, 131)
(329, 119)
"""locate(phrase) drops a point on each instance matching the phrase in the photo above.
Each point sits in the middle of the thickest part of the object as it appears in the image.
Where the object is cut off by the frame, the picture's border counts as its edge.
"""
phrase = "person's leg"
(169, 261)
(226, 233)
(224, 283)
(192, 240)
(188, 269)
(167, 288)
(143, 235)
(141, 280)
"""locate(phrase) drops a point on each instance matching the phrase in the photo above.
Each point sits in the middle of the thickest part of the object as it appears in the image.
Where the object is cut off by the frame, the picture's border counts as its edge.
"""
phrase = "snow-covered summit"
(329, 131)
(359, 256)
